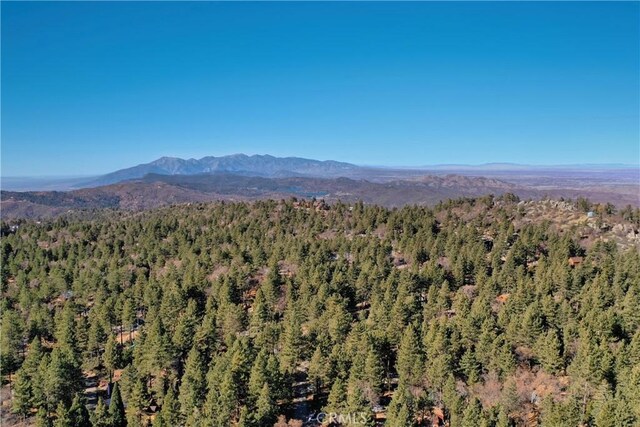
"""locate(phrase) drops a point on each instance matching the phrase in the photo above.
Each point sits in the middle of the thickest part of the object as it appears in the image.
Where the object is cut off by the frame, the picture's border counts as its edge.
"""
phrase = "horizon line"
(425, 167)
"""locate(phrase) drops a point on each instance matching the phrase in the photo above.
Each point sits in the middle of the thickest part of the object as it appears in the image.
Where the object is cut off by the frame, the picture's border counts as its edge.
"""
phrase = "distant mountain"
(171, 180)
(161, 189)
(266, 166)
(241, 164)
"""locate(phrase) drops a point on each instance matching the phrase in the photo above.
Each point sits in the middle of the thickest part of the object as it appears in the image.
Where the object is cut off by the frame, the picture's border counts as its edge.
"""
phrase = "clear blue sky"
(88, 88)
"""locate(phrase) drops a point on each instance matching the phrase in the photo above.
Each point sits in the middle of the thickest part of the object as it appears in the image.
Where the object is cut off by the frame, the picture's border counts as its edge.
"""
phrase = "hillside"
(155, 190)
(483, 311)
(159, 190)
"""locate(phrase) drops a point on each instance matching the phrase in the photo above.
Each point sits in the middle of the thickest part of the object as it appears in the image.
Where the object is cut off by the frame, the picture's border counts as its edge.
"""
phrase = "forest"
(296, 312)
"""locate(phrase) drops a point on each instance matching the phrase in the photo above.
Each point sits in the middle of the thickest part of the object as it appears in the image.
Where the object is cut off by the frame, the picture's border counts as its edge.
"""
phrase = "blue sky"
(88, 88)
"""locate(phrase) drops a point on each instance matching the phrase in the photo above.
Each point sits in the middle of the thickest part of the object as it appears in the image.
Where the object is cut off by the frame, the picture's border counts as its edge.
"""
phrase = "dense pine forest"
(472, 313)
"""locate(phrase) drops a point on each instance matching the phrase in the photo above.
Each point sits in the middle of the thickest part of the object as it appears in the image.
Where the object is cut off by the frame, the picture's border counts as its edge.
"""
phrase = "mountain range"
(240, 164)
(171, 180)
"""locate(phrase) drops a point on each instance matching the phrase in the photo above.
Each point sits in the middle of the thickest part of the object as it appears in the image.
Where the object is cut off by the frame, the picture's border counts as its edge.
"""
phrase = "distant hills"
(155, 190)
(171, 180)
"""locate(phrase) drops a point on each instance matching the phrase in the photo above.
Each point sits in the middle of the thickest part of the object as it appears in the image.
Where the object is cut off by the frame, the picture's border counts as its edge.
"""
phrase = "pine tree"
(356, 402)
(62, 417)
(66, 329)
(10, 341)
(503, 419)
(158, 421)
(170, 413)
(100, 416)
(155, 351)
(510, 400)
(261, 313)
(259, 375)
(472, 414)
(185, 329)
(42, 418)
(220, 406)
(337, 397)
(374, 371)
(111, 356)
(136, 401)
(116, 408)
(318, 370)
(34, 356)
(401, 408)
(265, 407)
(128, 315)
(38, 382)
(470, 366)
(63, 378)
(96, 336)
(452, 401)
(292, 339)
(549, 352)
(624, 415)
(193, 387)
(22, 401)
(409, 358)
(78, 413)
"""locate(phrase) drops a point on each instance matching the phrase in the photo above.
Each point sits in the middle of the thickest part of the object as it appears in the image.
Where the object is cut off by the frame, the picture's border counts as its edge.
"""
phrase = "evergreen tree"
(22, 400)
(401, 408)
(63, 378)
(111, 356)
(128, 315)
(549, 352)
(409, 358)
(472, 414)
(374, 371)
(259, 375)
(193, 387)
(42, 418)
(136, 401)
(265, 407)
(318, 370)
(10, 341)
(185, 329)
(100, 416)
(470, 366)
(170, 413)
(62, 417)
(336, 402)
(116, 408)
(78, 413)
(292, 339)
(487, 288)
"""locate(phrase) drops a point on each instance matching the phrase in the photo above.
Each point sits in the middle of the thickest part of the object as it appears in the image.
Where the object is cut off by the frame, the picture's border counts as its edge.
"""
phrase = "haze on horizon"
(89, 88)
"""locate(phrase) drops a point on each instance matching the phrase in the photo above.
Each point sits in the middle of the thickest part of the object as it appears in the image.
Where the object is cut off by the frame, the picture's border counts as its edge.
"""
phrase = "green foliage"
(265, 409)
(22, 393)
(409, 357)
(100, 416)
(111, 356)
(549, 352)
(193, 388)
(78, 413)
(116, 408)
(215, 311)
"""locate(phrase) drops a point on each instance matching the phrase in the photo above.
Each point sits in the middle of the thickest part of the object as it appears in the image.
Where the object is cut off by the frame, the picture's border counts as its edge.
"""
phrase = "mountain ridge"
(156, 190)
(256, 165)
